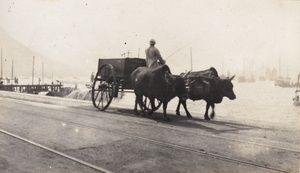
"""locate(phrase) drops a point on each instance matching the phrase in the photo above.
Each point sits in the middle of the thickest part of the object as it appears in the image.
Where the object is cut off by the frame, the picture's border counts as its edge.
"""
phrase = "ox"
(157, 83)
(207, 85)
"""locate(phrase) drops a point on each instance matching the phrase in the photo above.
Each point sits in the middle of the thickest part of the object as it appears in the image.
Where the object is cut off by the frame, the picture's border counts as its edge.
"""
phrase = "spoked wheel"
(102, 91)
(147, 104)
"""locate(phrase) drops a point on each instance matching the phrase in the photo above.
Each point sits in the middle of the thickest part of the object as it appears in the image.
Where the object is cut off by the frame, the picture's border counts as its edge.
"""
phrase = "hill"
(22, 58)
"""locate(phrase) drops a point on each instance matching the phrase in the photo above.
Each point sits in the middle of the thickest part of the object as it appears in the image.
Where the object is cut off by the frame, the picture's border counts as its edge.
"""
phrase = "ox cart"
(112, 77)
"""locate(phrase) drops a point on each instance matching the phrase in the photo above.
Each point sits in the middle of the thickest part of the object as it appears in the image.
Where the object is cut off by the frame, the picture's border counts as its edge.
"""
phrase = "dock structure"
(32, 88)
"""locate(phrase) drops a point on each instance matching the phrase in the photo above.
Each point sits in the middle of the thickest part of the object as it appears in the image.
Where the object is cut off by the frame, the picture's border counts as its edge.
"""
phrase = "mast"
(244, 66)
(298, 82)
(279, 67)
(252, 68)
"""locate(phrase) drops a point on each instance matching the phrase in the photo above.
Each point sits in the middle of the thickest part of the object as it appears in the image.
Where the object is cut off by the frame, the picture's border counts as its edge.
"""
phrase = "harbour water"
(261, 101)
(255, 102)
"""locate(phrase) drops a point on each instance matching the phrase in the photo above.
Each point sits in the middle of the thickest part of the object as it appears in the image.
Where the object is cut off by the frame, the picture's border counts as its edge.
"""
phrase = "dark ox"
(212, 87)
(157, 83)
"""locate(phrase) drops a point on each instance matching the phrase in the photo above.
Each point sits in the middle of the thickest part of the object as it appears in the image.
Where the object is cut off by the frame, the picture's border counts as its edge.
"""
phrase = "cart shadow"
(213, 126)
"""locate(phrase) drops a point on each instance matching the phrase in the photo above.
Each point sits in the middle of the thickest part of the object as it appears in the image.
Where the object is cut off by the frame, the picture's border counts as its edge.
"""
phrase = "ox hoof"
(212, 116)
(207, 118)
(178, 114)
(150, 113)
(143, 114)
(189, 116)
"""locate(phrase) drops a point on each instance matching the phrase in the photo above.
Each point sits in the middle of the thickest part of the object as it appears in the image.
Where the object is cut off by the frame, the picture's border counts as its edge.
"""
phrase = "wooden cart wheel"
(147, 104)
(102, 91)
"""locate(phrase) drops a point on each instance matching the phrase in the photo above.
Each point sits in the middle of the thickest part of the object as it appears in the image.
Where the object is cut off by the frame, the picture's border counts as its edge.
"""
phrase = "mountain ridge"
(22, 58)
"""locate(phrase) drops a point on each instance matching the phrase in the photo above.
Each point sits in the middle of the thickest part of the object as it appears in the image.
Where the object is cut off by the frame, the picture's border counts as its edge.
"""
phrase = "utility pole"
(32, 70)
(52, 76)
(191, 60)
(12, 72)
(128, 54)
(43, 72)
(1, 65)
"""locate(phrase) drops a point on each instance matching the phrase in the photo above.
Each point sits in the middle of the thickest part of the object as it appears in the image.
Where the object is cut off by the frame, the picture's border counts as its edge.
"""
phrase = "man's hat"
(152, 41)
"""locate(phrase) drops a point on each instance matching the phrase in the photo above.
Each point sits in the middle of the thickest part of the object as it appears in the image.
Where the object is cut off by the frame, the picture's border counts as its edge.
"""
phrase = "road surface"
(46, 134)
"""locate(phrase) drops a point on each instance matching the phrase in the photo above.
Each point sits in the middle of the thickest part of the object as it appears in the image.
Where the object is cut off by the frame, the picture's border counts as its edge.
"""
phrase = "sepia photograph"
(145, 86)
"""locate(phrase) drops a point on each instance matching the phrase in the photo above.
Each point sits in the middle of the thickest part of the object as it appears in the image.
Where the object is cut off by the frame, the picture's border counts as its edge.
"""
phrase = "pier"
(31, 88)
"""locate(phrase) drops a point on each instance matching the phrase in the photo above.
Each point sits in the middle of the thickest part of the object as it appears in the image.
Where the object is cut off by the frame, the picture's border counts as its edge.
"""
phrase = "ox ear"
(165, 68)
(169, 78)
(232, 77)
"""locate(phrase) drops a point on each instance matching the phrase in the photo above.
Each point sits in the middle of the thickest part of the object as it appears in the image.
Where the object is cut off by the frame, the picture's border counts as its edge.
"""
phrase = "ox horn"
(232, 77)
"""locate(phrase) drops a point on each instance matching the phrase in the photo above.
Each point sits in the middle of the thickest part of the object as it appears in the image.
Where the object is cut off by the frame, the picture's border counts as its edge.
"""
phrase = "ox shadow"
(213, 126)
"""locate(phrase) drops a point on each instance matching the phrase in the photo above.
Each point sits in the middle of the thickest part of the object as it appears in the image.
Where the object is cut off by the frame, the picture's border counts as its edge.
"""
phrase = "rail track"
(56, 152)
(149, 140)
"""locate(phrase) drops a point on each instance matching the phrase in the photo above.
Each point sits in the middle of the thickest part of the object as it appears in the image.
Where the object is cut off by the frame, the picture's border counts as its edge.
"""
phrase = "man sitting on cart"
(153, 57)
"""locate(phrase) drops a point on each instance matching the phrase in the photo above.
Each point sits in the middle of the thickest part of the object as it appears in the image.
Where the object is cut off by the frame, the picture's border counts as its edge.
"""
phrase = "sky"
(230, 35)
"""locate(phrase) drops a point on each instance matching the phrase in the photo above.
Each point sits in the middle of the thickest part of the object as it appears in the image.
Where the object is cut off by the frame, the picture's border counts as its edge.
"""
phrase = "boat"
(251, 79)
(284, 82)
(296, 99)
(262, 78)
(242, 79)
